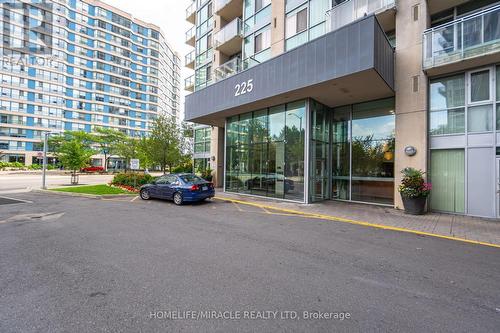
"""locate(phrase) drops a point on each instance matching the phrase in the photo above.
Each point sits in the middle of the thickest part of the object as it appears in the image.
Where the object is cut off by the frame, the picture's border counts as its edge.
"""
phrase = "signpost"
(134, 164)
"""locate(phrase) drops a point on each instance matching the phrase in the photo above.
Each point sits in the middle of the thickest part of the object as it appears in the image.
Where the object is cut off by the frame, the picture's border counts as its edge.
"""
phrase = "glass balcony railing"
(189, 83)
(228, 32)
(190, 12)
(230, 68)
(468, 37)
(189, 59)
(233, 67)
(190, 34)
(352, 10)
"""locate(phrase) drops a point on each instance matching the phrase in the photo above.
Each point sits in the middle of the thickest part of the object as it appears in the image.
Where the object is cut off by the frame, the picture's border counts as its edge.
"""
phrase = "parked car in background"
(93, 169)
(184, 187)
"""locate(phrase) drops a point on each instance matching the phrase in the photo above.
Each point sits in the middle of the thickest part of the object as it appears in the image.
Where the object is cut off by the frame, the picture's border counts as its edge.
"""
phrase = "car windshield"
(191, 178)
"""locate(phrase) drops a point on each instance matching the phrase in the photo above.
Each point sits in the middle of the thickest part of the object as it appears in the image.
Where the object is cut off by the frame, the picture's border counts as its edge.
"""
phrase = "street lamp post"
(45, 149)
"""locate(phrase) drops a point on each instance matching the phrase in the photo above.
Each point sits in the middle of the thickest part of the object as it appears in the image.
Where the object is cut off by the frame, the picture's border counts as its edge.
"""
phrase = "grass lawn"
(92, 189)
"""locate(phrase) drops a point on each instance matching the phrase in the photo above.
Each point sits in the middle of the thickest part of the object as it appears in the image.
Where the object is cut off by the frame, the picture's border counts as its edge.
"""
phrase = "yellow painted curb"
(362, 223)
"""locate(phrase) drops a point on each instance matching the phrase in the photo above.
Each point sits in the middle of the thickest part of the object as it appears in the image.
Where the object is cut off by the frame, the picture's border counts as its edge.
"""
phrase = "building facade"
(77, 65)
(330, 100)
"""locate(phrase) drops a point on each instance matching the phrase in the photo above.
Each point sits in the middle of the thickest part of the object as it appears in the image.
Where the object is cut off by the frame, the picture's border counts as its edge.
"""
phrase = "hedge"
(131, 179)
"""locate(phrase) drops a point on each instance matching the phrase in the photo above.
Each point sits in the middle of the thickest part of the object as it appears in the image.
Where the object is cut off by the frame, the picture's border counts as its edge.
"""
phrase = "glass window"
(373, 146)
(277, 123)
(319, 147)
(447, 92)
(341, 153)
(302, 20)
(480, 118)
(268, 156)
(480, 86)
(318, 10)
(450, 121)
(294, 150)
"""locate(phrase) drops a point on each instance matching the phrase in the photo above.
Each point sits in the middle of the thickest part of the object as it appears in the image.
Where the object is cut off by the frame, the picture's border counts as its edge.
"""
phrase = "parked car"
(184, 187)
(93, 169)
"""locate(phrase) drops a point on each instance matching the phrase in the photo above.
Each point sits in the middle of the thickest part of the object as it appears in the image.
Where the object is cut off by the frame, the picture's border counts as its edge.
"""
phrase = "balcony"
(189, 60)
(229, 9)
(191, 13)
(230, 68)
(229, 39)
(467, 42)
(233, 67)
(353, 10)
(190, 36)
(189, 83)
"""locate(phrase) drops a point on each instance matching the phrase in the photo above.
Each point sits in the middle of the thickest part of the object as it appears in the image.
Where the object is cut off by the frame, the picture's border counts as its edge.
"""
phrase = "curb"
(356, 222)
(84, 195)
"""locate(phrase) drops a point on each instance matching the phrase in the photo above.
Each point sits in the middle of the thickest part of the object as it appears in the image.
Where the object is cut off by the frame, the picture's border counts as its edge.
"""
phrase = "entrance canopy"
(352, 64)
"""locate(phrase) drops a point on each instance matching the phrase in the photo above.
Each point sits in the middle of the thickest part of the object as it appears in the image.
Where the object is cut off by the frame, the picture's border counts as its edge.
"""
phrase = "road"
(123, 264)
(20, 181)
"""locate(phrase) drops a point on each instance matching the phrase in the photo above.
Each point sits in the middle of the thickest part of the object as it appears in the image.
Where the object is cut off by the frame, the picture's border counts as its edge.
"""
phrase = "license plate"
(204, 188)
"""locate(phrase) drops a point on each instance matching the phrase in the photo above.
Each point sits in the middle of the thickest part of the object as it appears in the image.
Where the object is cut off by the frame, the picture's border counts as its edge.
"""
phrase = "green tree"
(108, 140)
(163, 146)
(128, 149)
(74, 155)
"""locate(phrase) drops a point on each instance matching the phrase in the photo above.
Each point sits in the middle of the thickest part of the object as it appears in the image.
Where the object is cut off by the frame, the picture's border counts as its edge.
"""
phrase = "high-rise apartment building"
(313, 100)
(78, 64)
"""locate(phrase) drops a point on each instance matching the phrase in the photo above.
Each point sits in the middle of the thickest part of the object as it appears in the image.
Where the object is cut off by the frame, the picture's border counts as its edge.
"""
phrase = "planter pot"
(414, 206)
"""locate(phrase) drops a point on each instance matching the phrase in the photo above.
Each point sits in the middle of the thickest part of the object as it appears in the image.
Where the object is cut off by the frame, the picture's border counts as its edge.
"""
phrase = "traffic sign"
(134, 164)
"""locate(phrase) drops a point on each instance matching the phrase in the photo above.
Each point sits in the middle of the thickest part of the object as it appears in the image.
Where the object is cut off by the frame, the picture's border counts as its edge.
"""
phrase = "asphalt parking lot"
(72, 264)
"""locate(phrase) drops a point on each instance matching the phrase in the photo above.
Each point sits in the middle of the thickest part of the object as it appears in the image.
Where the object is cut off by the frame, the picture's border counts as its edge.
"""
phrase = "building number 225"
(243, 88)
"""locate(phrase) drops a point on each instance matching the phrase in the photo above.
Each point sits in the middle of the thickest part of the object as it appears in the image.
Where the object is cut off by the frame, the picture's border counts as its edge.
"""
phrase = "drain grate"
(10, 201)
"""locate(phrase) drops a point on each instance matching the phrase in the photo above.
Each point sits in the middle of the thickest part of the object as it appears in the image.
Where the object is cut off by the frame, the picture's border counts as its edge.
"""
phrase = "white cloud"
(169, 15)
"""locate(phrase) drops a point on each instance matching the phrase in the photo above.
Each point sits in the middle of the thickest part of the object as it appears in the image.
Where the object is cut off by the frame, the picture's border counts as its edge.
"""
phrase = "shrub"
(11, 165)
(413, 184)
(183, 168)
(35, 167)
(131, 179)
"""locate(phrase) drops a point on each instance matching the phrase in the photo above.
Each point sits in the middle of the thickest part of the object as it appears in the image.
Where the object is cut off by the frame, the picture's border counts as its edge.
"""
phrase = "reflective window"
(480, 86)
(267, 158)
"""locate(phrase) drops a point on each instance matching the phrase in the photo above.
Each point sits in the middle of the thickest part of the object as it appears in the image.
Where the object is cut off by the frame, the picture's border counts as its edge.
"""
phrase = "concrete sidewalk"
(442, 225)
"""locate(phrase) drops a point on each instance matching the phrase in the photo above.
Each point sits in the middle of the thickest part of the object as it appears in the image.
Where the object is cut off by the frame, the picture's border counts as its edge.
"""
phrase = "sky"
(169, 15)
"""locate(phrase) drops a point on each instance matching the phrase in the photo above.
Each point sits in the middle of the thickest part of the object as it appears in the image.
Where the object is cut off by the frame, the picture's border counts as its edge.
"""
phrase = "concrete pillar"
(217, 155)
(411, 89)
(277, 27)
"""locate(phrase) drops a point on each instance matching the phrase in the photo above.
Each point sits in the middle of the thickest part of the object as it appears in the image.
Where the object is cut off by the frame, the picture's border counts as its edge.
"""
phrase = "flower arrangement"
(125, 187)
(413, 184)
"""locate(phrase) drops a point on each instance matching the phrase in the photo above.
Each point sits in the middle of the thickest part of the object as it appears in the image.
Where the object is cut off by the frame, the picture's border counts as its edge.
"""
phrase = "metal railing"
(467, 37)
(228, 32)
(352, 10)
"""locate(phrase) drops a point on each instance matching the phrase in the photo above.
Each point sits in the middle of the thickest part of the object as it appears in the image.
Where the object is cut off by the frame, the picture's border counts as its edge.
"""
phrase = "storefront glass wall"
(360, 159)
(265, 152)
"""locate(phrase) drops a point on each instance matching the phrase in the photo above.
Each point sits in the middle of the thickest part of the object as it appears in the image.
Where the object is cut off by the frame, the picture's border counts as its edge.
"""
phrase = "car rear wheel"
(144, 194)
(178, 198)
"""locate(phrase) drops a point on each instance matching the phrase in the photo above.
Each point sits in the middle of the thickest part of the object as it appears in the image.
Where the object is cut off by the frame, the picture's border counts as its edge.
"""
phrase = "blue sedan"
(180, 188)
